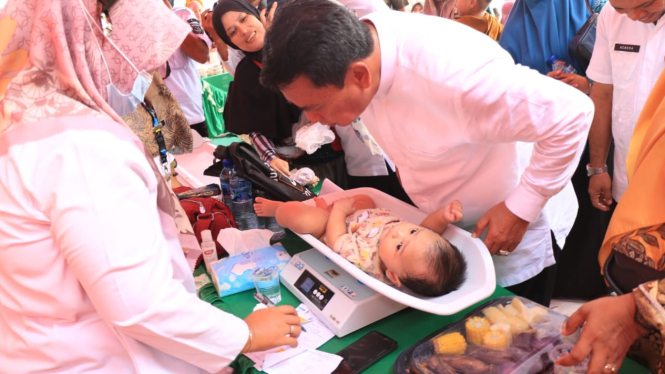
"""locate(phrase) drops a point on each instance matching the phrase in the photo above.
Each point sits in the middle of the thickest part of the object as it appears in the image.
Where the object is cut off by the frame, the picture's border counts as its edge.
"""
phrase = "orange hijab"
(643, 204)
(487, 24)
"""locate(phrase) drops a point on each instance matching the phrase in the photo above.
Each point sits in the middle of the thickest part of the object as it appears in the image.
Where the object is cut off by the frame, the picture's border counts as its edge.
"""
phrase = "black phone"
(364, 353)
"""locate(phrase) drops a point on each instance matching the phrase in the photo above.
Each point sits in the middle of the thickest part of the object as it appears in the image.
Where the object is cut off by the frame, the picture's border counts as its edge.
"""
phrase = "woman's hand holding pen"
(272, 327)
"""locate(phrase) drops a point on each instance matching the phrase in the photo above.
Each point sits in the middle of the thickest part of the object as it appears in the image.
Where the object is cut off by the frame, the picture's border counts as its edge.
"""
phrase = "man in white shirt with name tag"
(628, 57)
(448, 114)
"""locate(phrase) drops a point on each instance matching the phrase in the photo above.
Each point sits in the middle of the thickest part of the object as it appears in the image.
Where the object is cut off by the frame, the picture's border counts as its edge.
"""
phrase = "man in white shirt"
(183, 77)
(626, 63)
(447, 114)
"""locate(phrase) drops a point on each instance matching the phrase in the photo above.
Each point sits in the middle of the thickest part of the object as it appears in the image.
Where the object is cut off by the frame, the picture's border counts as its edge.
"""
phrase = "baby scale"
(338, 299)
(354, 299)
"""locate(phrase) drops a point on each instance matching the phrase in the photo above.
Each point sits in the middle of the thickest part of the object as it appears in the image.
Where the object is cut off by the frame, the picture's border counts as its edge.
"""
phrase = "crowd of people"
(96, 252)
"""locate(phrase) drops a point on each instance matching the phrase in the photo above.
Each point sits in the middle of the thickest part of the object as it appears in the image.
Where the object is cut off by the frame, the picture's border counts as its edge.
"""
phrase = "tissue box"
(234, 274)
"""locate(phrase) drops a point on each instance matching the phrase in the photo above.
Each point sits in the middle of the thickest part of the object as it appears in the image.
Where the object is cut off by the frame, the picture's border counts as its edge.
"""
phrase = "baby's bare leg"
(302, 218)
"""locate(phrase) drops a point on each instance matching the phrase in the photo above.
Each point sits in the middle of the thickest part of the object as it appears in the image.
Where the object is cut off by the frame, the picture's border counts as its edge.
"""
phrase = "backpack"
(207, 213)
(250, 167)
(581, 47)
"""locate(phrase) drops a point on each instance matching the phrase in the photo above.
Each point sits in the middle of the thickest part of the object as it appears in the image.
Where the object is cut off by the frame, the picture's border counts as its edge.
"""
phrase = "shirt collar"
(388, 45)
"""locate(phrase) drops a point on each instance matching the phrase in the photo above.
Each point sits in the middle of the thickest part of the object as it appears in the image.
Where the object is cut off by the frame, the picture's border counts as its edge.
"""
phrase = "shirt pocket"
(624, 68)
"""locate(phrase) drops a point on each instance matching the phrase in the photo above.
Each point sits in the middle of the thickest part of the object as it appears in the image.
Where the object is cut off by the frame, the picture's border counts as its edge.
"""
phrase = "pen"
(266, 301)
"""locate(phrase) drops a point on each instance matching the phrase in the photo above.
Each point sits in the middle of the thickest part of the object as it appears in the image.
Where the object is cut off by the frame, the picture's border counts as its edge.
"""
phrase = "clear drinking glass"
(266, 280)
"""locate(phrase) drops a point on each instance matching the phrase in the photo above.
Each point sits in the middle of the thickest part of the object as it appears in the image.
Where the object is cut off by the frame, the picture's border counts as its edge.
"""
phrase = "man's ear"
(358, 74)
(394, 278)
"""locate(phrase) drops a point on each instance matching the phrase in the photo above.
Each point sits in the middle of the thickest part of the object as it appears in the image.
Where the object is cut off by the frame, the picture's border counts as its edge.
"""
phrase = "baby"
(380, 243)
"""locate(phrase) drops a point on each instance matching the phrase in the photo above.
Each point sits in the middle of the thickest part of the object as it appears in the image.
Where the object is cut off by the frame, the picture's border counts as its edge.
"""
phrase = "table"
(406, 327)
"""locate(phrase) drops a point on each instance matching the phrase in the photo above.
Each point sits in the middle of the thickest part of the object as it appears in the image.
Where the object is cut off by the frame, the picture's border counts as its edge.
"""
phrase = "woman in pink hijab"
(92, 273)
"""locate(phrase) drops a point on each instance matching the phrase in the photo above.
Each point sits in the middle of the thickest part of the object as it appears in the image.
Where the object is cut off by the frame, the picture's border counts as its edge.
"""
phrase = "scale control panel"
(314, 290)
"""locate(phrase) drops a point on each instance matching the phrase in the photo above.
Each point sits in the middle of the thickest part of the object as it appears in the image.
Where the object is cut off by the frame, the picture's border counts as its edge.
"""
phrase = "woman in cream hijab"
(92, 272)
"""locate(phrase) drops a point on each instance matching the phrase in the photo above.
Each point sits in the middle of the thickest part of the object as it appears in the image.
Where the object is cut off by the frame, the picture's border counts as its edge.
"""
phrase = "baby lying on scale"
(379, 242)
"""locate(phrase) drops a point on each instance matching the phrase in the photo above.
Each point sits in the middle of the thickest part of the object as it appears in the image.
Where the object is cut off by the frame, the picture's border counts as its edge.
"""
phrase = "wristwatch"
(590, 170)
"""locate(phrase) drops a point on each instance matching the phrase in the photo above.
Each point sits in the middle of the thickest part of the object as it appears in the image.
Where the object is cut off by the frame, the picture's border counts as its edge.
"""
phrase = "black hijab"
(242, 6)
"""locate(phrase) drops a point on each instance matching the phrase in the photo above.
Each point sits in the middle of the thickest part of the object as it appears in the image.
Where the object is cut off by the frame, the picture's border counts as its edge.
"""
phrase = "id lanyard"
(159, 137)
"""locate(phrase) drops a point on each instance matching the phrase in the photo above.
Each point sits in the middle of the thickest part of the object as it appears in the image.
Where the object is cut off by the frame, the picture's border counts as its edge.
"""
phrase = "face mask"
(121, 103)
(125, 104)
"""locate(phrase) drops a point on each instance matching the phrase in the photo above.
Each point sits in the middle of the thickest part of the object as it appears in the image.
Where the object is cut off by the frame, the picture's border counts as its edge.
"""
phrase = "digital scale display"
(314, 290)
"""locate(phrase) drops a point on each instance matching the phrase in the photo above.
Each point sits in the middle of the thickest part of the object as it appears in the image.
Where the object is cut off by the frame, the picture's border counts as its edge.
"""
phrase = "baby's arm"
(336, 226)
(438, 220)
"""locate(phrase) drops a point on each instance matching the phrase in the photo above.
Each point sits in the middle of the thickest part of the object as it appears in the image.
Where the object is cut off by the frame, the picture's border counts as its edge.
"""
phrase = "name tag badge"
(627, 48)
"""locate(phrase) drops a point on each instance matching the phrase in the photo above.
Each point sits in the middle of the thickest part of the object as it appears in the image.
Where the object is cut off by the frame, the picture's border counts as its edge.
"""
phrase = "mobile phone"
(364, 353)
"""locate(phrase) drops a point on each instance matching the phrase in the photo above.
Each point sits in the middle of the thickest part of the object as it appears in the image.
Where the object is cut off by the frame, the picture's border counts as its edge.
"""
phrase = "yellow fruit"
(476, 328)
(452, 343)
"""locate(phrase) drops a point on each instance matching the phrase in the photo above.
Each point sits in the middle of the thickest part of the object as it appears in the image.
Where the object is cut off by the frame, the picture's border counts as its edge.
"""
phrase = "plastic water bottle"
(225, 182)
(561, 65)
(243, 209)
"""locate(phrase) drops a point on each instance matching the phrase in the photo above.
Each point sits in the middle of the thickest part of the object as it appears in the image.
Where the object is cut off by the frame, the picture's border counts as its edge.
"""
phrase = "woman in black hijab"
(253, 109)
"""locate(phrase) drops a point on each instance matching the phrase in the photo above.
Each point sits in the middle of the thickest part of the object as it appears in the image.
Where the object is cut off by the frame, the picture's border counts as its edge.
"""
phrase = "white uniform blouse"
(630, 56)
(449, 115)
(92, 276)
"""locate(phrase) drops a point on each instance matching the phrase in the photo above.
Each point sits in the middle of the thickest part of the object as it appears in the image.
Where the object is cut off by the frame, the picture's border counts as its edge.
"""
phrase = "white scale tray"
(480, 282)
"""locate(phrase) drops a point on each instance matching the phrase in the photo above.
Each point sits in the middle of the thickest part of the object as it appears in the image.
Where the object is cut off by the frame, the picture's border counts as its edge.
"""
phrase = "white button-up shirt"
(449, 115)
(92, 275)
(629, 55)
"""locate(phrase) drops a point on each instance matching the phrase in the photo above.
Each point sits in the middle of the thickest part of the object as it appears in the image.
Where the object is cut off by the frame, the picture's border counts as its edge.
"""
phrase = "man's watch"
(590, 170)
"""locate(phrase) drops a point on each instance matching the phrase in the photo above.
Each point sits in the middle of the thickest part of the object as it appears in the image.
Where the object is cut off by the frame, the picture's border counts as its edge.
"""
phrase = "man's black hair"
(315, 38)
(449, 268)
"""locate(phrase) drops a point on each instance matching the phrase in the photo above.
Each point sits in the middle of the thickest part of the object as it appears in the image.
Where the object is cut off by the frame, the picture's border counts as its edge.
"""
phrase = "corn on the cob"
(452, 343)
(496, 340)
(476, 328)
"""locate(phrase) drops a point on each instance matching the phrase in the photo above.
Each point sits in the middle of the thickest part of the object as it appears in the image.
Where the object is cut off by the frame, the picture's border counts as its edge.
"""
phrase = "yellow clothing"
(642, 205)
(487, 24)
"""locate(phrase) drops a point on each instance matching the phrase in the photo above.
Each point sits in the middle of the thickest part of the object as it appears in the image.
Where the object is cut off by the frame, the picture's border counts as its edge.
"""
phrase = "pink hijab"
(447, 8)
(50, 66)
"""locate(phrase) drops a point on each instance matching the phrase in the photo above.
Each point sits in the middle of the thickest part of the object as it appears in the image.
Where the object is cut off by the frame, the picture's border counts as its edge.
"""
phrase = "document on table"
(310, 361)
(317, 334)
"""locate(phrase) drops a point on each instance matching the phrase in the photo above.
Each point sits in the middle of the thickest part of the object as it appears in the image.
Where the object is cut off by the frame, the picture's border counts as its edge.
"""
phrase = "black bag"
(581, 47)
(250, 167)
(623, 274)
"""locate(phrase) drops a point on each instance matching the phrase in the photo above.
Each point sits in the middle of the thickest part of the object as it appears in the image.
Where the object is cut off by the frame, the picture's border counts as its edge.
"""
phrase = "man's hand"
(267, 21)
(609, 330)
(574, 80)
(600, 191)
(504, 229)
(280, 165)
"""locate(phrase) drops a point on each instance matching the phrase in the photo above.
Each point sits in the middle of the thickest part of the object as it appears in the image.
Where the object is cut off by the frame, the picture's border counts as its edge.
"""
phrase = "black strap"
(159, 136)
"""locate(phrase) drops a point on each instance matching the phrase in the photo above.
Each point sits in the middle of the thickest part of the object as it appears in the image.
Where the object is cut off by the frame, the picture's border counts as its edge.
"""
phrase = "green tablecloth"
(221, 81)
(406, 327)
